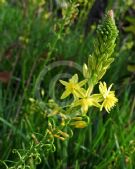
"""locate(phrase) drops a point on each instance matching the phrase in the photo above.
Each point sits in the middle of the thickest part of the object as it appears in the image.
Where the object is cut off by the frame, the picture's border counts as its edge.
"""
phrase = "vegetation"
(60, 62)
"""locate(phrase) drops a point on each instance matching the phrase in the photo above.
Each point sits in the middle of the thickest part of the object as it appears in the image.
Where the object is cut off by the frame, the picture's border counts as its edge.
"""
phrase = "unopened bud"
(111, 14)
(85, 71)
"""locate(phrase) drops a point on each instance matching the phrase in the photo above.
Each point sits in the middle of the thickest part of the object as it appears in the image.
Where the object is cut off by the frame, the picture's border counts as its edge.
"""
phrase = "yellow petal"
(89, 90)
(65, 94)
(83, 82)
(76, 103)
(64, 82)
(93, 102)
(97, 97)
(102, 88)
(80, 92)
(85, 108)
(85, 105)
(74, 79)
(96, 104)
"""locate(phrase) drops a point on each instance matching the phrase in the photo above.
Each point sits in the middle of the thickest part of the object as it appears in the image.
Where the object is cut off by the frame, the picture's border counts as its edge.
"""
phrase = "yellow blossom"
(88, 100)
(73, 87)
(109, 97)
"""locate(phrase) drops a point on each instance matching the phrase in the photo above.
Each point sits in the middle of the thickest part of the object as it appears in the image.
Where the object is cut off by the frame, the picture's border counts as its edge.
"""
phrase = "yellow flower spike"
(109, 97)
(73, 87)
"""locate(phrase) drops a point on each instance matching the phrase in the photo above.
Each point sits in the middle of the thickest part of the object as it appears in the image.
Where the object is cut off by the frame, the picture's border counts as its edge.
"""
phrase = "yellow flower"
(109, 97)
(73, 87)
(88, 100)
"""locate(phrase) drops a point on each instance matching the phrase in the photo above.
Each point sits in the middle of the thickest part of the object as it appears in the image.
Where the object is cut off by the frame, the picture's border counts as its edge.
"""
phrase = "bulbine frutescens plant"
(59, 120)
(99, 61)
